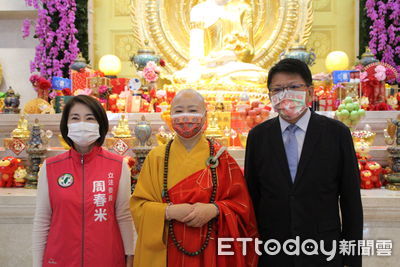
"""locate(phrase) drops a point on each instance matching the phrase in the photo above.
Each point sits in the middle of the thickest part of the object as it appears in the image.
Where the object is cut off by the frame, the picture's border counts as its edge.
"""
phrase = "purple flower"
(26, 27)
(385, 30)
(57, 47)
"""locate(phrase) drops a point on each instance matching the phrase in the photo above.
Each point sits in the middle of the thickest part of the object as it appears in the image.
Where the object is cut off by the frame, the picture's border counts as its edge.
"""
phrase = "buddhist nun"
(189, 194)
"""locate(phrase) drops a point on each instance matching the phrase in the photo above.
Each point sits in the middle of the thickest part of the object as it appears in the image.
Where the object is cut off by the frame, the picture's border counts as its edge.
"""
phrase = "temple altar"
(381, 206)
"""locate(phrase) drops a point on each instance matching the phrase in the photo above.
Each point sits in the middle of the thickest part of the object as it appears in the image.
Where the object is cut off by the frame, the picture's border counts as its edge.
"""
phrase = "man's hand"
(201, 214)
(179, 211)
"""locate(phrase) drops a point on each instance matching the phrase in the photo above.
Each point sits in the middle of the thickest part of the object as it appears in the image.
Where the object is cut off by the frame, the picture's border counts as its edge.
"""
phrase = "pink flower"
(364, 76)
(34, 79)
(380, 68)
(380, 73)
(153, 65)
(103, 89)
(149, 74)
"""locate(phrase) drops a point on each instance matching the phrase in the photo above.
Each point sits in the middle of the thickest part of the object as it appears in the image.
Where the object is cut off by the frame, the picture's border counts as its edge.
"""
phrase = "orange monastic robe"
(189, 181)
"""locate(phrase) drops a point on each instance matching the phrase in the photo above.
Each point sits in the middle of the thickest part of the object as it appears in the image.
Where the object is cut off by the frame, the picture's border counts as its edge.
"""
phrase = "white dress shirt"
(300, 133)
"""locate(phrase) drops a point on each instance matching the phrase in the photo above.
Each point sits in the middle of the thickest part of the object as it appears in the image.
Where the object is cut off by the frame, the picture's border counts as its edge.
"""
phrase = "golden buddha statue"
(122, 130)
(22, 130)
(225, 27)
(213, 130)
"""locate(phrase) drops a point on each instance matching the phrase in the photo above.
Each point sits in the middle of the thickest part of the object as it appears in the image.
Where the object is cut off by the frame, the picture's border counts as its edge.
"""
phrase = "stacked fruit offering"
(349, 112)
(255, 114)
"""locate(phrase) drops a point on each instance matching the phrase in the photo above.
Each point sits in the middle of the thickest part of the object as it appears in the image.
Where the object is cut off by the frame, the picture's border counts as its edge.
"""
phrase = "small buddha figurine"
(22, 130)
(122, 130)
(213, 129)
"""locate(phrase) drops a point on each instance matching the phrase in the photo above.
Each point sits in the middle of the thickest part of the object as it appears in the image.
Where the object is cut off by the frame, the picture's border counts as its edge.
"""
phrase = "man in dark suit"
(303, 176)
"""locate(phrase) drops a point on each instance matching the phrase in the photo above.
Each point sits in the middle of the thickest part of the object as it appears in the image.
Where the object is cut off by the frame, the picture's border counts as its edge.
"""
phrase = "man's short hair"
(291, 66)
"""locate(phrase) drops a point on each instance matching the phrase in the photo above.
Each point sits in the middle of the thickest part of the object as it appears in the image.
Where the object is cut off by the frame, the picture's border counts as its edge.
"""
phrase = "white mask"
(83, 133)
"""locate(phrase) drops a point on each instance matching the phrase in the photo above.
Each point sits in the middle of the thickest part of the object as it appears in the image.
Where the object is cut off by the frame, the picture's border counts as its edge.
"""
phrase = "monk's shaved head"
(188, 100)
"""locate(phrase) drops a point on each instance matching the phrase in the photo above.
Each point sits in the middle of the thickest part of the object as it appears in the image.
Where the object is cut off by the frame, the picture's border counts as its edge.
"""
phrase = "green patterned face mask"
(289, 103)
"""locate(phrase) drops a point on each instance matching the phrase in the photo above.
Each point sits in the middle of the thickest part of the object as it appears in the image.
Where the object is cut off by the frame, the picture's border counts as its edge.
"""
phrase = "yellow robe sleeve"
(148, 213)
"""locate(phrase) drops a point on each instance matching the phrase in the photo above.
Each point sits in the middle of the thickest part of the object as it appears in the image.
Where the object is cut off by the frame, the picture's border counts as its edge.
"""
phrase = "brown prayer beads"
(212, 199)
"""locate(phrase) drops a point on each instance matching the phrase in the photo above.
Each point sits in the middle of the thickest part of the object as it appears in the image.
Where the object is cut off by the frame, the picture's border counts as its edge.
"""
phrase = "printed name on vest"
(101, 196)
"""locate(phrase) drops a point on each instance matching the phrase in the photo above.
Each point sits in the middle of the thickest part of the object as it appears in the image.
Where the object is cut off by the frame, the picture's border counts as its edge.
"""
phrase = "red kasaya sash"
(236, 218)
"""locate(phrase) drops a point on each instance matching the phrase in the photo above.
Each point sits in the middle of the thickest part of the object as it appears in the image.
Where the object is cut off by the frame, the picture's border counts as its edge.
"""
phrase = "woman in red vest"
(82, 213)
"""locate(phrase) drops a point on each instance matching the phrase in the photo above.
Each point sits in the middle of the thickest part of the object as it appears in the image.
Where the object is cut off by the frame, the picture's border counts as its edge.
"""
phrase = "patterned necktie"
(292, 149)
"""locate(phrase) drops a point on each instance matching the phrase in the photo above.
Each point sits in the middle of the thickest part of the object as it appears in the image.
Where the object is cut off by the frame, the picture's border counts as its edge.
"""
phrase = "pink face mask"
(289, 103)
(187, 125)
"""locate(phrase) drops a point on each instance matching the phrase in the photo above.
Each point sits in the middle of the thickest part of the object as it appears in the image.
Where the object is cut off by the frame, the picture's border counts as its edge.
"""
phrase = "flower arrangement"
(40, 82)
(151, 72)
(373, 78)
(55, 30)
(384, 31)
(44, 88)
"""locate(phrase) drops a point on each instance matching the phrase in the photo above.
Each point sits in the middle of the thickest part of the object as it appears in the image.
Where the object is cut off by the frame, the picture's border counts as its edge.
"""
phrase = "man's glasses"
(296, 87)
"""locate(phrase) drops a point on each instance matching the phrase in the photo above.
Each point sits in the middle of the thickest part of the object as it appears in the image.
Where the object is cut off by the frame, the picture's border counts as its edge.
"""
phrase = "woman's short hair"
(98, 112)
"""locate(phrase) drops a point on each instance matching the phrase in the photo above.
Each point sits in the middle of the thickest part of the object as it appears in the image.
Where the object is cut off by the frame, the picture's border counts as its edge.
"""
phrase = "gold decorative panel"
(322, 5)
(124, 45)
(334, 28)
(121, 8)
(321, 42)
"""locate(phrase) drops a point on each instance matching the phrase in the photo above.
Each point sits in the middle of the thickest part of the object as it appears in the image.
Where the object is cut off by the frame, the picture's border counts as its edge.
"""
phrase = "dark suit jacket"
(327, 182)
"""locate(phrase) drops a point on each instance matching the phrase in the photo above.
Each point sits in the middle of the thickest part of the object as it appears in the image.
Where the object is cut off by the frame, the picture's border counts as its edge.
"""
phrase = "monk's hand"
(179, 211)
(201, 214)
(129, 260)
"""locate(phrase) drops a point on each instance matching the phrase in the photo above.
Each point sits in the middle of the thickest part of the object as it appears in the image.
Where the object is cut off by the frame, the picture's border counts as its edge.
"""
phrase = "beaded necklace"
(212, 163)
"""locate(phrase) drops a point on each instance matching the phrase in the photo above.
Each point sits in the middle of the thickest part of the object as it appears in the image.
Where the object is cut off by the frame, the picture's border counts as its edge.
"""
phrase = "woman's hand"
(179, 211)
(129, 261)
(201, 214)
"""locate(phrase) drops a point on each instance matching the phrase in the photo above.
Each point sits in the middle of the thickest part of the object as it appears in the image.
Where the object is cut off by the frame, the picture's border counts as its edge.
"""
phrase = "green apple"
(338, 114)
(350, 107)
(348, 100)
(354, 115)
(345, 113)
(361, 112)
(356, 106)
(341, 107)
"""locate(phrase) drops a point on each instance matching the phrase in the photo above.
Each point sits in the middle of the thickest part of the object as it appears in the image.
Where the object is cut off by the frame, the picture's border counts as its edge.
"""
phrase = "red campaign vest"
(83, 228)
